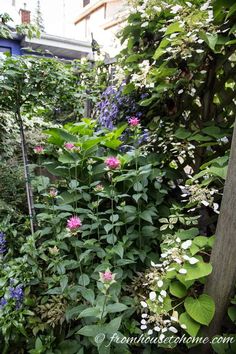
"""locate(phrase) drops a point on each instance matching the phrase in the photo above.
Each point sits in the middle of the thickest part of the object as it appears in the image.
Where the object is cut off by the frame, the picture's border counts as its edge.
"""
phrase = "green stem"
(112, 210)
(104, 305)
(98, 229)
(80, 267)
(138, 205)
(6, 347)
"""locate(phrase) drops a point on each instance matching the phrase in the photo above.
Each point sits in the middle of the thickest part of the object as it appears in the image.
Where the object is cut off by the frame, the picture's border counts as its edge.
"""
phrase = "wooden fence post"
(221, 283)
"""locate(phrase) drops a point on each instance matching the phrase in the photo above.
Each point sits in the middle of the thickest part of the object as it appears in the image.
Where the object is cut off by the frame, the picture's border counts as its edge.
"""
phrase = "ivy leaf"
(192, 326)
(198, 270)
(201, 309)
(177, 289)
(232, 313)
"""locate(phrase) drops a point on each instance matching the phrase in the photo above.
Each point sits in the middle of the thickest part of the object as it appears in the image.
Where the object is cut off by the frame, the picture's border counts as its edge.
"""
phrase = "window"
(4, 50)
(86, 2)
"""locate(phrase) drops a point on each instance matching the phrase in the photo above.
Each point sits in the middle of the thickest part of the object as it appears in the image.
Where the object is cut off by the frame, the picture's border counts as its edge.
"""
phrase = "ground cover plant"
(127, 200)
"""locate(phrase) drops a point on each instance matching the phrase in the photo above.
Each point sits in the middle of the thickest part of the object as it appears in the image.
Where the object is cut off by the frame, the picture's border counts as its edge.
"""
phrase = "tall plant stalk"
(28, 186)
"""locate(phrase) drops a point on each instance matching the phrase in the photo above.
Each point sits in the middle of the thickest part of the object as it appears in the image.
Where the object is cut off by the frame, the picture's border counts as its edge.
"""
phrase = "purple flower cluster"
(3, 302)
(114, 106)
(144, 136)
(2, 243)
(17, 293)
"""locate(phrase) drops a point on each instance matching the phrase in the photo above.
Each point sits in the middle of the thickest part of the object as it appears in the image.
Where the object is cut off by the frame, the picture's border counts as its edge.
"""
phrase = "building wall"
(96, 23)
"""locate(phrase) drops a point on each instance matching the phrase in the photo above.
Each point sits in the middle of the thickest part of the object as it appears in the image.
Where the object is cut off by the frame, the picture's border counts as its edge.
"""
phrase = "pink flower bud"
(69, 146)
(74, 223)
(133, 121)
(39, 150)
(107, 276)
(112, 163)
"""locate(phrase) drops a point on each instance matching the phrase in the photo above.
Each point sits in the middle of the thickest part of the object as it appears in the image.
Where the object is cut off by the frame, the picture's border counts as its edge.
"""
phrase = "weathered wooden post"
(221, 283)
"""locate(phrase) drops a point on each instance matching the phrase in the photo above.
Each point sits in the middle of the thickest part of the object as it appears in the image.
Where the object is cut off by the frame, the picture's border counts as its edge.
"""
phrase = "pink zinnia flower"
(107, 276)
(133, 121)
(112, 163)
(39, 149)
(74, 223)
(69, 146)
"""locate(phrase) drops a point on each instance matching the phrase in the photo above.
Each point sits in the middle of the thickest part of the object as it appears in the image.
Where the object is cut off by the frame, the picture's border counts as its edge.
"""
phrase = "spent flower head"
(53, 192)
(99, 188)
(53, 250)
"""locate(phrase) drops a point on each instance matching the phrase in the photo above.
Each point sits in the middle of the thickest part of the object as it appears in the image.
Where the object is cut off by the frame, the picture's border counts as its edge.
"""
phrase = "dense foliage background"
(126, 200)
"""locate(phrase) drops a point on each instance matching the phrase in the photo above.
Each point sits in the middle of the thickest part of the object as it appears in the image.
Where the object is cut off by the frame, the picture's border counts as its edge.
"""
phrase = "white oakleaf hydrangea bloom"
(175, 9)
(157, 328)
(152, 296)
(173, 329)
(163, 293)
(193, 260)
(185, 245)
(183, 271)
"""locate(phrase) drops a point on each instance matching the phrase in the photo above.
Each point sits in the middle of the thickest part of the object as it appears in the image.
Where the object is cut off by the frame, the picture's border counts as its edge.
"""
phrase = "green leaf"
(231, 11)
(201, 309)
(182, 133)
(187, 234)
(232, 313)
(59, 136)
(218, 171)
(88, 294)
(192, 326)
(73, 312)
(63, 282)
(108, 227)
(84, 280)
(173, 28)
(177, 289)
(114, 325)
(138, 187)
(119, 249)
(161, 49)
(201, 241)
(145, 215)
(90, 331)
(114, 218)
(90, 312)
(117, 307)
(198, 270)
